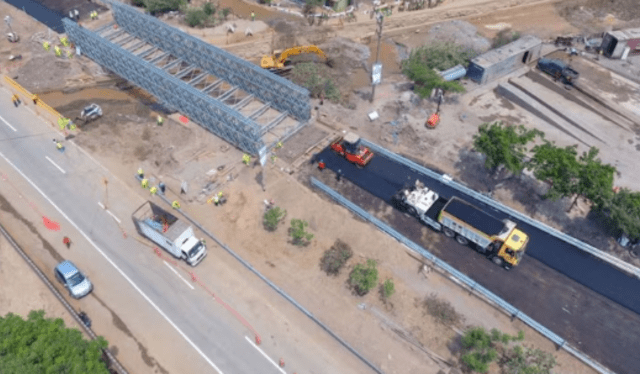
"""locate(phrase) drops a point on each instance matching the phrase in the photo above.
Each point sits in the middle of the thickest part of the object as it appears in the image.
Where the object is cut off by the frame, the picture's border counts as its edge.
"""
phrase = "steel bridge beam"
(275, 122)
(115, 35)
(135, 46)
(146, 53)
(126, 40)
(171, 64)
(197, 79)
(196, 105)
(212, 86)
(185, 71)
(157, 59)
(244, 102)
(227, 94)
(259, 112)
(101, 29)
(282, 94)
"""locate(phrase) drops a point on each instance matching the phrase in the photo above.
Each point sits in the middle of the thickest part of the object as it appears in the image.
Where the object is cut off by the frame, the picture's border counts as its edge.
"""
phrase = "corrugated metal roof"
(474, 216)
(627, 34)
(512, 49)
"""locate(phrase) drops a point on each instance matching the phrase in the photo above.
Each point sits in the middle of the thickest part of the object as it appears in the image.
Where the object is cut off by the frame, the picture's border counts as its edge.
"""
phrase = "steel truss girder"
(185, 71)
(259, 112)
(157, 59)
(282, 94)
(197, 79)
(275, 122)
(115, 35)
(203, 109)
(227, 94)
(136, 46)
(101, 29)
(244, 102)
(145, 53)
(171, 64)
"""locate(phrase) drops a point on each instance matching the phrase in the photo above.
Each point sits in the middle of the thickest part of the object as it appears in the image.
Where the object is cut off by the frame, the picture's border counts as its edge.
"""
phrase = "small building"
(619, 44)
(504, 60)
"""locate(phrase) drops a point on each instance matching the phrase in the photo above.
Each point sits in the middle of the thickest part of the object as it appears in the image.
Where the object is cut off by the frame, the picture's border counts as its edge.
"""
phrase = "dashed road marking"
(56, 165)
(174, 270)
(8, 124)
(265, 355)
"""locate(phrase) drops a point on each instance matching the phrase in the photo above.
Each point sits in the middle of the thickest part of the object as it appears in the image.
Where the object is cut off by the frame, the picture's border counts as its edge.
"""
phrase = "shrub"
(226, 12)
(388, 289)
(195, 17)
(364, 278)
(441, 310)
(335, 257)
(298, 233)
(528, 361)
(272, 218)
(139, 3)
(426, 79)
(307, 74)
(161, 6)
(209, 8)
(479, 351)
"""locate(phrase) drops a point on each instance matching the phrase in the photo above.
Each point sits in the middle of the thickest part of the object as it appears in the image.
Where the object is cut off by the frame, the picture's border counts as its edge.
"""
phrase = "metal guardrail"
(464, 279)
(633, 270)
(276, 288)
(112, 360)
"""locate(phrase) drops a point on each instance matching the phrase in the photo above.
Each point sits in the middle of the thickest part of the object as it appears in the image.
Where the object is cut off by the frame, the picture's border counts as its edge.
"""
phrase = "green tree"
(195, 17)
(442, 56)
(335, 257)
(298, 232)
(558, 166)
(504, 145)
(528, 361)
(225, 13)
(162, 6)
(209, 8)
(426, 79)
(364, 278)
(623, 213)
(39, 345)
(479, 350)
(388, 288)
(272, 218)
(595, 180)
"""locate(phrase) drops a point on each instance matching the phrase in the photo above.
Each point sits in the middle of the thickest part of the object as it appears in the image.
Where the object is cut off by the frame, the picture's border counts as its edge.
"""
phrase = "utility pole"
(376, 70)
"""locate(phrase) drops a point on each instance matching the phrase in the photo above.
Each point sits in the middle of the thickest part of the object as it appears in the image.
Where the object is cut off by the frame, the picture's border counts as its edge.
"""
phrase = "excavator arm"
(278, 61)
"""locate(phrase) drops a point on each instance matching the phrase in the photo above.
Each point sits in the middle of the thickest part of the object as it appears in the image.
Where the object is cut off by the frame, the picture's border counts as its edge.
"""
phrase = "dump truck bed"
(160, 220)
(474, 217)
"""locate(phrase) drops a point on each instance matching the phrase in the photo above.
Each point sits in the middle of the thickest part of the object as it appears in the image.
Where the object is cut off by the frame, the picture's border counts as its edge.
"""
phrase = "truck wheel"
(497, 260)
(448, 232)
(462, 240)
(507, 267)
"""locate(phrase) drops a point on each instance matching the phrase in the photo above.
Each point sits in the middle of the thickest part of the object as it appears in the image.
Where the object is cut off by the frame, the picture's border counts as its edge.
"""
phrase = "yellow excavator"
(278, 63)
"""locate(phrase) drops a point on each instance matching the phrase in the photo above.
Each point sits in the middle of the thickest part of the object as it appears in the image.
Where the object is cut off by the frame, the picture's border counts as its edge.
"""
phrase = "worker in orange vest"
(321, 165)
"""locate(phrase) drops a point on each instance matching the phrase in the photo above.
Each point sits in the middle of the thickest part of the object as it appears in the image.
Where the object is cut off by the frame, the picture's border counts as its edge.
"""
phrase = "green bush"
(388, 288)
(442, 56)
(139, 3)
(209, 8)
(364, 278)
(226, 12)
(441, 310)
(307, 74)
(426, 79)
(272, 218)
(298, 233)
(476, 342)
(162, 6)
(195, 17)
(335, 257)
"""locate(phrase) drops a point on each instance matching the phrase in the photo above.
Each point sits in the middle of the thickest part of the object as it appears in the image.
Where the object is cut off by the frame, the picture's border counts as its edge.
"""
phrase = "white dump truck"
(499, 240)
(169, 232)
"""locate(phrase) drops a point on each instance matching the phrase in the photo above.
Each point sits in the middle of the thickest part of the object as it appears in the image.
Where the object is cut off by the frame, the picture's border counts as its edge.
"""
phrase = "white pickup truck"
(169, 232)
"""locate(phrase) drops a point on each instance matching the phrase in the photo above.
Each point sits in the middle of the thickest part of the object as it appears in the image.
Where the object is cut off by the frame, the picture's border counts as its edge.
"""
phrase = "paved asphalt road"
(574, 309)
(76, 192)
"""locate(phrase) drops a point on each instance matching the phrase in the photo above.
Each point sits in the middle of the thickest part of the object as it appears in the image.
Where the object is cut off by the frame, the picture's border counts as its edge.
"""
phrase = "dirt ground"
(127, 138)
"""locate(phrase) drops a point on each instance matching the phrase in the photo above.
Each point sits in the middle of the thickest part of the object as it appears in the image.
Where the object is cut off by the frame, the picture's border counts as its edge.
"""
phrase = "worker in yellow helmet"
(35, 99)
(153, 190)
(160, 120)
(64, 41)
(246, 159)
(58, 51)
(69, 54)
(175, 204)
(140, 173)
(145, 183)
(46, 46)
(15, 99)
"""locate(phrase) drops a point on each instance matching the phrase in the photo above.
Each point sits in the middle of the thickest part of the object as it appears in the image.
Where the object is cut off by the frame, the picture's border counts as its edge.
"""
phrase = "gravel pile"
(459, 32)
(347, 52)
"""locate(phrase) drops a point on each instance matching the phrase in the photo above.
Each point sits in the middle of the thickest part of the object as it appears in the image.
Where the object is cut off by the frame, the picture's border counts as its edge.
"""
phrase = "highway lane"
(74, 185)
(598, 326)
(383, 177)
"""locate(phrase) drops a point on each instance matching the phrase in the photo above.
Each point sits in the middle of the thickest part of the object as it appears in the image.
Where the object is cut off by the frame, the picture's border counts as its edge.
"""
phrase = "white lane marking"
(114, 217)
(101, 206)
(265, 355)
(8, 124)
(56, 165)
(115, 266)
(174, 270)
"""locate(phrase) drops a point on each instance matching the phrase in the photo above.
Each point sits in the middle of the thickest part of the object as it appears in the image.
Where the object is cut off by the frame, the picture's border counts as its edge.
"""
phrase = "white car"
(73, 279)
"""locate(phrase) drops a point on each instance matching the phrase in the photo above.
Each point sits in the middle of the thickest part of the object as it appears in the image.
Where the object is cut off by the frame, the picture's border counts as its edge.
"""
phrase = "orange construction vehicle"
(350, 148)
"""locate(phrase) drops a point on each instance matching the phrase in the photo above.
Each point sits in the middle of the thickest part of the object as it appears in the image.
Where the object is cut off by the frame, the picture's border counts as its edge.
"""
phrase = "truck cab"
(350, 148)
(514, 243)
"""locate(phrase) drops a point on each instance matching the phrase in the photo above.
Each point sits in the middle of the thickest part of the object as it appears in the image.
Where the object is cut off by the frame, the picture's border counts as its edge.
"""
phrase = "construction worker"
(321, 165)
(253, 16)
(279, 145)
(16, 100)
(66, 241)
(140, 173)
(65, 41)
(153, 190)
(217, 198)
(175, 204)
(69, 54)
(145, 183)
(162, 187)
(246, 159)
(160, 120)
(57, 51)
(35, 99)
(73, 125)
(59, 145)
(94, 15)
(46, 46)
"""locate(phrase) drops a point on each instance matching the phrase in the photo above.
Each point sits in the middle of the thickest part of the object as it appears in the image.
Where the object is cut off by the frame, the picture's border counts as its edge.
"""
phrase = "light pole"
(376, 70)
